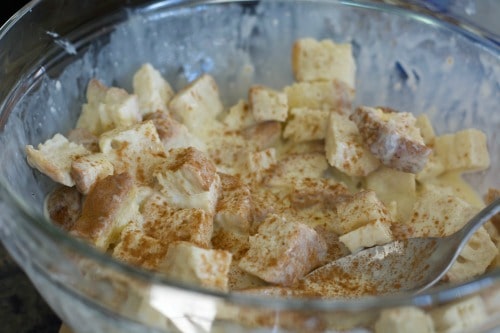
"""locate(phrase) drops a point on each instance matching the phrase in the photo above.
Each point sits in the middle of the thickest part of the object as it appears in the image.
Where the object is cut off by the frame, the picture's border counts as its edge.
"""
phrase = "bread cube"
(54, 157)
(463, 151)
(345, 149)
(267, 104)
(108, 207)
(314, 60)
(84, 137)
(406, 319)
(262, 135)
(239, 116)
(136, 149)
(373, 233)
(108, 108)
(311, 192)
(257, 163)
(172, 133)
(438, 214)
(188, 179)
(86, 170)
(168, 224)
(392, 137)
(306, 125)
(432, 169)
(234, 207)
(188, 263)
(358, 210)
(297, 166)
(63, 206)
(393, 185)
(153, 91)
(460, 316)
(320, 95)
(479, 252)
(453, 183)
(136, 248)
(283, 251)
(426, 130)
(198, 104)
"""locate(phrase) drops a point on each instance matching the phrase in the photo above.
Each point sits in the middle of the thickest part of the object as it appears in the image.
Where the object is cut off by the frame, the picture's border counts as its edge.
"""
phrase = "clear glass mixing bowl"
(406, 58)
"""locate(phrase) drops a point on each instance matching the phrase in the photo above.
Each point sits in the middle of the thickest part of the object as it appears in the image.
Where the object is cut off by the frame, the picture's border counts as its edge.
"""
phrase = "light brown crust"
(389, 141)
(64, 206)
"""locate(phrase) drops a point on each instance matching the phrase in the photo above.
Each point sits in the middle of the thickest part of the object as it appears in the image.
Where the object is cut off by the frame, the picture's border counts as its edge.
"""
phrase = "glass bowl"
(406, 58)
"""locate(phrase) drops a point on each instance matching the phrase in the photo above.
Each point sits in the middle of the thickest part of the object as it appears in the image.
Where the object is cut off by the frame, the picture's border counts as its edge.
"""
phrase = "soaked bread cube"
(377, 232)
(267, 104)
(86, 170)
(153, 91)
(320, 95)
(306, 125)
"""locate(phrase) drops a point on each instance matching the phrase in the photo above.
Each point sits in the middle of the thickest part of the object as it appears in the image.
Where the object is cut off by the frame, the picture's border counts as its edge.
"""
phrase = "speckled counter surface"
(22, 310)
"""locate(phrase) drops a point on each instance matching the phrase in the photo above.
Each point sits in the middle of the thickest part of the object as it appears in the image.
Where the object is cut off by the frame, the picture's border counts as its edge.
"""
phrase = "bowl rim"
(429, 297)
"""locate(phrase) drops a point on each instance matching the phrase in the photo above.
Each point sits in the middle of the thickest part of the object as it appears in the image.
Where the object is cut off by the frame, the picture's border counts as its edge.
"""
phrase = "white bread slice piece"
(283, 251)
(172, 133)
(234, 207)
(320, 95)
(108, 108)
(188, 179)
(54, 157)
(190, 264)
(463, 151)
(153, 91)
(108, 208)
(168, 224)
(136, 149)
(239, 116)
(460, 316)
(198, 104)
(306, 124)
(358, 210)
(392, 137)
(267, 104)
(394, 186)
(314, 60)
(373, 233)
(86, 170)
(345, 149)
(408, 319)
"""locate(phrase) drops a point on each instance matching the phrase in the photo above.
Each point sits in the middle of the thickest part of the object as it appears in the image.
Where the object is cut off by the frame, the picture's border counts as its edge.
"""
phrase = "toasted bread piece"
(191, 264)
(267, 104)
(108, 208)
(86, 170)
(314, 60)
(63, 206)
(188, 179)
(345, 149)
(54, 157)
(283, 251)
(306, 125)
(392, 137)
(153, 91)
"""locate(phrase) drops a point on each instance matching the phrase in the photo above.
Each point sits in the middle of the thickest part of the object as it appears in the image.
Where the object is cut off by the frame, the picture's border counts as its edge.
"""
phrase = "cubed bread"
(54, 157)
(314, 60)
(406, 319)
(392, 137)
(108, 108)
(63, 206)
(86, 170)
(393, 185)
(84, 137)
(306, 124)
(255, 164)
(358, 210)
(153, 91)
(262, 135)
(463, 315)
(432, 169)
(267, 104)
(108, 208)
(198, 104)
(136, 149)
(234, 207)
(426, 130)
(190, 264)
(320, 95)
(463, 151)
(188, 179)
(295, 167)
(373, 233)
(283, 251)
(317, 193)
(168, 224)
(172, 133)
(345, 149)
(239, 116)
(136, 248)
